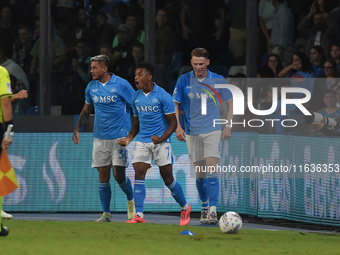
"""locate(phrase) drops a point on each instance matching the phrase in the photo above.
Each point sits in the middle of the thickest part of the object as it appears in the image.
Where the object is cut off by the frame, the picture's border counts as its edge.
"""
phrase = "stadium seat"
(237, 69)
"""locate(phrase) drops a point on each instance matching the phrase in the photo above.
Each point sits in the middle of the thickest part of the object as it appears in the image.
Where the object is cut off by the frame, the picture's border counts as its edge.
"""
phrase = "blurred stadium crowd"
(296, 40)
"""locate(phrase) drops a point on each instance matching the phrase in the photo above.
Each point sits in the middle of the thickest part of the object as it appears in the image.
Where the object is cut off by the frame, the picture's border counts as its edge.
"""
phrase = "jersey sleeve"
(133, 104)
(88, 98)
(167, 104)
(224, 93)
(5, 83)
(177, 95)
(127, 92)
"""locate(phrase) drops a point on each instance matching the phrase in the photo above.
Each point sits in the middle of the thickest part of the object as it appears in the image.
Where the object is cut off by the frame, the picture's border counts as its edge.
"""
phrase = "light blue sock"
(213, 184)
(127, 188)
(177, 193)
(139, 195)
(105, 195)
(201, 185)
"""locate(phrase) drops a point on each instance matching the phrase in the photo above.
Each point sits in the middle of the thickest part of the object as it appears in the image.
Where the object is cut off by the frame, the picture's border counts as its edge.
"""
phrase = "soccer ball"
(230, 222)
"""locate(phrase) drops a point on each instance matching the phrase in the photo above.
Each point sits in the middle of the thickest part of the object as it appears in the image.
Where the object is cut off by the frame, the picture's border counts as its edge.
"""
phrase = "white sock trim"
(140, 214)
(213, 209)
(186, 207)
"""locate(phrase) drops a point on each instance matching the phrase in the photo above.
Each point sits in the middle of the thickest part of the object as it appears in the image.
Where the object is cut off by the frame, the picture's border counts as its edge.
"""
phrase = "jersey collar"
(192, 74)
(154, 90)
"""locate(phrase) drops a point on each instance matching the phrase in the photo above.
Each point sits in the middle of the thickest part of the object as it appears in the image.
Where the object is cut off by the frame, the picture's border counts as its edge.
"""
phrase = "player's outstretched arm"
(133, 132)
(83, 117)
(168, 132)
(180, 134)
(22, 94)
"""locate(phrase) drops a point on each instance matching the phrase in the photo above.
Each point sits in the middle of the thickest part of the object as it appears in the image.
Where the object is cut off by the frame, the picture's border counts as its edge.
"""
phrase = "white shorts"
(203, 146)
(145, 152)
(109, 152)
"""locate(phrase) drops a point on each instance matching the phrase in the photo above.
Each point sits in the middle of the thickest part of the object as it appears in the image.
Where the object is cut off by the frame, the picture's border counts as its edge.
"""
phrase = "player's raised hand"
(180, 134)
(75, 137)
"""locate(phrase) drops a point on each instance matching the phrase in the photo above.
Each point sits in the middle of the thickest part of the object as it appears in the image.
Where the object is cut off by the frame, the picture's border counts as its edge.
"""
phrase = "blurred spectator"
(81, 62)
(85, 29)
(122, 53)
(19, 107)
(136, 33)
(8, 28)
(21, 10)
(316, 30)
(331, 81)
(266, 14)
(299, 72)
(23, 47)
(58, 57)
(36, 31)
(238, 31)
(82, 23)
(118, 15)
(138, 52)
(165, 47)
(65, 12)
(326, 82)
(12, 67)
(270, 70)
(329, 99)
(317, 58)
(335, 55)
(334, 16)
(138, 56)
(106, 49)
(282, 31)
(197, 20)
(104, 32)
(267, 102)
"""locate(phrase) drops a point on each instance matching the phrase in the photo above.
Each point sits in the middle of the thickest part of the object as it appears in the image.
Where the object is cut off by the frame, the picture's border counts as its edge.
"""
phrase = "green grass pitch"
(58, 237)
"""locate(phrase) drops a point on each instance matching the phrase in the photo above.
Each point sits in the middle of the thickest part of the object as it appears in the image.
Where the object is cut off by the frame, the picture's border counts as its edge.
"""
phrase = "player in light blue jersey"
(154, 122)
(110, 96)
(194, 90)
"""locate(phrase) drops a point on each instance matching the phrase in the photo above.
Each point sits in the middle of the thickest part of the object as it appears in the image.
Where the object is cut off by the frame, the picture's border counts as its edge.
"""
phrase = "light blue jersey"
(151, 109)
(335, 113)
(189, 91)
(112, 107)
(301, 79)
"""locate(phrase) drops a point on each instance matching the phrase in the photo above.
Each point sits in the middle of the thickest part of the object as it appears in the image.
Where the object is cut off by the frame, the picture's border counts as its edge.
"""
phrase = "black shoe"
(4, 231)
